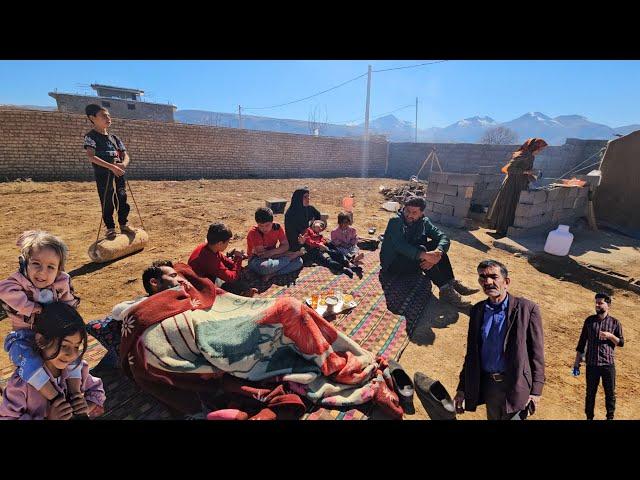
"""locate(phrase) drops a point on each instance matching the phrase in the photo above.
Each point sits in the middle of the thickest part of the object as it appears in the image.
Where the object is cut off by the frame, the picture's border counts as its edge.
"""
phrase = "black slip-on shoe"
(401, 382)
(434, 397)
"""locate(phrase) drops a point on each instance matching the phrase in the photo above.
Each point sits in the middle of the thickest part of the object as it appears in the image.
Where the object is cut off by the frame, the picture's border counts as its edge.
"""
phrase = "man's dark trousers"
(608, 374)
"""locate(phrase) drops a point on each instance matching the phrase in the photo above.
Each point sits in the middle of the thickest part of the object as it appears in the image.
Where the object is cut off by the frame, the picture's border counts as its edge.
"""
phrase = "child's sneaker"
(110, 234)
(348, 272)
(126, 229)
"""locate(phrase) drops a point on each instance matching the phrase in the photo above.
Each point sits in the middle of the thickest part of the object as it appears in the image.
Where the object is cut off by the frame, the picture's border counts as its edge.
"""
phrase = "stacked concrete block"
(544, 210)
(449, 198)
(489, 181)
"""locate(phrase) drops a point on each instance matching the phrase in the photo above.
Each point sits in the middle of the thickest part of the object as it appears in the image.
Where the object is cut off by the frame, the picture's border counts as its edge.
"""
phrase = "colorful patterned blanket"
(187, 338)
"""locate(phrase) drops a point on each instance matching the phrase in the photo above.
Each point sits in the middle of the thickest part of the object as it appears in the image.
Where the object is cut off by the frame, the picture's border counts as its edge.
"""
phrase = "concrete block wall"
(449, 198)
(540, 210)
(405, 159)
(489, 183)
(118, 108)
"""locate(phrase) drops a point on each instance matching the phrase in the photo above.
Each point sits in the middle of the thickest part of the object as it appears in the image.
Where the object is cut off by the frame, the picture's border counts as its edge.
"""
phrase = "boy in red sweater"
(209, 261)
(317, 248)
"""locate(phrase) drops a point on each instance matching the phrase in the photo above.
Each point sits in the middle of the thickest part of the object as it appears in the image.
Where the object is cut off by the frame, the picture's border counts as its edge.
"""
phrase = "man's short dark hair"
(416, 202)
(154, 271)
(264, 215)
(494, 263)
(218, 232)
(93, 109)
(604, 296)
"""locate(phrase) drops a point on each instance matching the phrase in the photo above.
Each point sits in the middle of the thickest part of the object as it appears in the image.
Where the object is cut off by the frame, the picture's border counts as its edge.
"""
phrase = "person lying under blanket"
(196, 341)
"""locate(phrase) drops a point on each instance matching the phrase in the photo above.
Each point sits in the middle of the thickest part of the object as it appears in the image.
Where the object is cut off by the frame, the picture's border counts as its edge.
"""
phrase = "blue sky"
(603, 91)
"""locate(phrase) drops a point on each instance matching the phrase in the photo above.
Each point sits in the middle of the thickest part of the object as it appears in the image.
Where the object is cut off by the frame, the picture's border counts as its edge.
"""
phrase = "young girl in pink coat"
(345, 239)
(40, 281)
(60, 339)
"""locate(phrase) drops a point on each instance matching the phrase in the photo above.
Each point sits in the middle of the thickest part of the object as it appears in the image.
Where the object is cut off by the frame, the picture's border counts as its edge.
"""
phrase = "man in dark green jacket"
(412, 243)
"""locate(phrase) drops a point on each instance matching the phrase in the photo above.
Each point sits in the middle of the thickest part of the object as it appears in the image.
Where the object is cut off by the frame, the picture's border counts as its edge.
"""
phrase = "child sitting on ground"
(208, 261)
(268, 248)
(345, 239)
(60, 340)
(41, 280)
(317, 247)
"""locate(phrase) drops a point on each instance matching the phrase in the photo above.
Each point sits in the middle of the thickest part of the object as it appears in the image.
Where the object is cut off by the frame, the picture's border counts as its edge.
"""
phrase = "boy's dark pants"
(104, 182)
(608, 374)
(440, 274)
(335, 261)
(238, 287)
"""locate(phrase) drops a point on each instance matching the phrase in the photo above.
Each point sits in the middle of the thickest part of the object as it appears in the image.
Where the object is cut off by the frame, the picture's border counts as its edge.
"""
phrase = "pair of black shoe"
(434, 397)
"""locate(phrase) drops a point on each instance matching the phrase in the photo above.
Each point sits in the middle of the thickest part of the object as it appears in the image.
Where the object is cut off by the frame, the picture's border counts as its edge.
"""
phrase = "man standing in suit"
(504, 364)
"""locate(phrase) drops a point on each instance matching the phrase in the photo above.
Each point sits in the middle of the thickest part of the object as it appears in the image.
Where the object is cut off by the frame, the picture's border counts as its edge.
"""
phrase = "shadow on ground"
(435, 315)
(568, 270)
(465, 237)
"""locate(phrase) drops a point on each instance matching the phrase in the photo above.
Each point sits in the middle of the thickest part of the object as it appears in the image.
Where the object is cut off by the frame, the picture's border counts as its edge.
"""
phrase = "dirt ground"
(176, 216)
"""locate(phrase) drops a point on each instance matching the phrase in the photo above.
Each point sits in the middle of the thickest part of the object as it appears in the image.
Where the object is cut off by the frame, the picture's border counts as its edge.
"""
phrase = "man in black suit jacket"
(504, 364)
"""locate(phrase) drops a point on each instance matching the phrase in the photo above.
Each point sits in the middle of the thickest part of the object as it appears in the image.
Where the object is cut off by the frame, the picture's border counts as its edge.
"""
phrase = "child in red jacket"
(209, 261)
(322, 254)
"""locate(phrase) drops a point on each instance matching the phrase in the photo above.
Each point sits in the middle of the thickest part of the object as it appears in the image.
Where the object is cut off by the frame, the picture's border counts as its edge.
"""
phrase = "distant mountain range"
(533, 124)
(469, 130)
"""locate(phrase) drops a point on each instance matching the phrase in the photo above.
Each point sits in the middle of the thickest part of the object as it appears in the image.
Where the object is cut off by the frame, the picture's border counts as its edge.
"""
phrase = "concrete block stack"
(540, 210)
(489, 181)
(449, 198)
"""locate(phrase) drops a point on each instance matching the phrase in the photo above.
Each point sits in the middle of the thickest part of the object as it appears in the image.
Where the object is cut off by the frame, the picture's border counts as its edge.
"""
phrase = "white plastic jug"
(559, 241)
(391, 206)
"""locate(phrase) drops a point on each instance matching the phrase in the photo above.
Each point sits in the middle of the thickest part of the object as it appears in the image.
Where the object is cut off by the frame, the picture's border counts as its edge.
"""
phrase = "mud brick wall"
(540, 210)
(47, 146)
(449, 198)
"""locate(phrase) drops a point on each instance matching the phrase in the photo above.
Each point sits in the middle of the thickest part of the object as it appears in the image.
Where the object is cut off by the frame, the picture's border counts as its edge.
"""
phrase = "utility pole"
(416, 119)
(239, 116)
(366, 112)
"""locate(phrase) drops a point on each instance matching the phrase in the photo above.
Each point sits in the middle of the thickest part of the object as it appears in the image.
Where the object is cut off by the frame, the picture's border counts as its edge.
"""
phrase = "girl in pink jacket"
(60, 339)
(345, 239)
(40, 281)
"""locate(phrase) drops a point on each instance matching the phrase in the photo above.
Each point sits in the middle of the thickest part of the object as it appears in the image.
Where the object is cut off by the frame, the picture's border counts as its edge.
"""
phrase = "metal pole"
(416, 119)
(366, 112)
(239, 116)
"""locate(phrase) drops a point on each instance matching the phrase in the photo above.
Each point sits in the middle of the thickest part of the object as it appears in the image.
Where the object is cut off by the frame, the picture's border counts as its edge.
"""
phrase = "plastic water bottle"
(559, 241)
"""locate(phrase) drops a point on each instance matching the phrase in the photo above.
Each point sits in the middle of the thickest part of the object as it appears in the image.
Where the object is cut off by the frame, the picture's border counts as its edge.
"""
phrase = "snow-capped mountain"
(469, 130)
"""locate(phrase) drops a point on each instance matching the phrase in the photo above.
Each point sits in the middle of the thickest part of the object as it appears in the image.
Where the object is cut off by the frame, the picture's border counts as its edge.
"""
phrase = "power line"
(306, 98)
(409, 66)
(340, 85)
